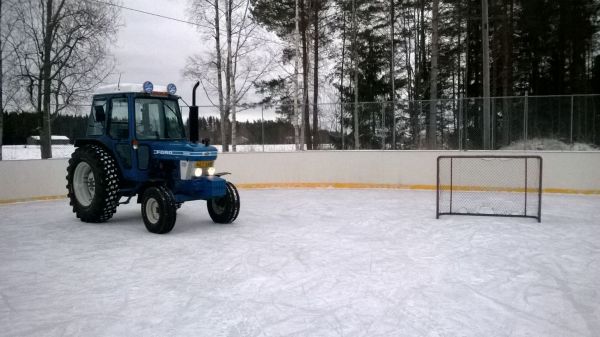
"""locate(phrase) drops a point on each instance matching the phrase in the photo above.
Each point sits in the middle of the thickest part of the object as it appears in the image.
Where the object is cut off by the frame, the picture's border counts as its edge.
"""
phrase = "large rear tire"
(93, 184)
(159, 209)
(226, 208)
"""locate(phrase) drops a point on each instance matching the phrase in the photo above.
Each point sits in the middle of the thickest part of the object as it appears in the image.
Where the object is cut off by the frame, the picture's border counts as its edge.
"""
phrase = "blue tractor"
(135, 145)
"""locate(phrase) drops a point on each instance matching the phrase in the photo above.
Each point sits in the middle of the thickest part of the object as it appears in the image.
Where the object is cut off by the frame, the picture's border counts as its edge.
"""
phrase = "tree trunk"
(297, 123)
(392, 75)
(233, 62)
(45, 136)
(355, 59)
(432, 132)
(507, 73)
(1, 86)
(315, 126)
(222, 110)
(228, 71)
(342, 80)
(422, 54)
(487, 126)
(305, 71)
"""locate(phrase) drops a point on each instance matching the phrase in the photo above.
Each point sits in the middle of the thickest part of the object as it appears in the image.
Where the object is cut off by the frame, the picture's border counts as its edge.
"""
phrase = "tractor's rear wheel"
(159, 209)
(93, 184)
(226, 208)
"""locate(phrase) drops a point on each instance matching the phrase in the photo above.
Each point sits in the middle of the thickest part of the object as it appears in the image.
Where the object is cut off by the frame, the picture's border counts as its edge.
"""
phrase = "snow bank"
(548, 144)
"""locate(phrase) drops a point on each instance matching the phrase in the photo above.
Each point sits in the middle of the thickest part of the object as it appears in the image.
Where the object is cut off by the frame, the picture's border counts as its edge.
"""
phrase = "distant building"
(56, 140)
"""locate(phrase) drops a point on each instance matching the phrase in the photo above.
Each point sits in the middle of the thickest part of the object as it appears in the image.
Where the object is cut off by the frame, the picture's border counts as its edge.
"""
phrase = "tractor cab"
(140, 131)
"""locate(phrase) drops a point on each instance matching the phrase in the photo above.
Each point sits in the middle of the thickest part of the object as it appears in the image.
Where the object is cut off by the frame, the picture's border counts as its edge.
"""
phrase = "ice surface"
(303, 263)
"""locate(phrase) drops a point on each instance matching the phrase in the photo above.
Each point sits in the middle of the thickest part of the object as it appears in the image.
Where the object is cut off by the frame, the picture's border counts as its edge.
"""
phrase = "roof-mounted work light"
(148, 87)
(171, 88)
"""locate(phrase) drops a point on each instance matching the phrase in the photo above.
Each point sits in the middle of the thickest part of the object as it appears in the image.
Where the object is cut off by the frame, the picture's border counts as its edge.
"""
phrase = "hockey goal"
(489, 185)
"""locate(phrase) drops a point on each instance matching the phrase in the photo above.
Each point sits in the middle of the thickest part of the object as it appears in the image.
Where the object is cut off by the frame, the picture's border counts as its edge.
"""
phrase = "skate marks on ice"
(303, 263)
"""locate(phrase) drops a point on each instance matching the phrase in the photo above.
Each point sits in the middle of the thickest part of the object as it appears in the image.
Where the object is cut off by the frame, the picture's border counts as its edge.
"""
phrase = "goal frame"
(525, 157)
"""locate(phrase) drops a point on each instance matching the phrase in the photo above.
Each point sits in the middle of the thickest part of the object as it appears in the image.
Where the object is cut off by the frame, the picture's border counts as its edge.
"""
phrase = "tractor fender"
(91, 141)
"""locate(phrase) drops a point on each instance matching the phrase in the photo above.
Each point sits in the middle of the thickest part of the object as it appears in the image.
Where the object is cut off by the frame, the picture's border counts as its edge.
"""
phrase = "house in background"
(56, 140)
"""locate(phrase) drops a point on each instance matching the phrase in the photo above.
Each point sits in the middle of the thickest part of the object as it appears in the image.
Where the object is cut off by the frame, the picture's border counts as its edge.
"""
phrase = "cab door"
(118, 130)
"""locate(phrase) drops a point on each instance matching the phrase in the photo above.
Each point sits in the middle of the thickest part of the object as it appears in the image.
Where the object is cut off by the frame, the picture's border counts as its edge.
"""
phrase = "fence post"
(383, 126)
(262, 125)
(342, 124)
(571, 125)
(393, 125)
(421, 114)
(492, 124)
(460, 122)
(525, 116)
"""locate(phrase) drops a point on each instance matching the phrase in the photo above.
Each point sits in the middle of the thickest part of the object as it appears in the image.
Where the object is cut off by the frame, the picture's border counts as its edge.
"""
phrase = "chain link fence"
(516, 123)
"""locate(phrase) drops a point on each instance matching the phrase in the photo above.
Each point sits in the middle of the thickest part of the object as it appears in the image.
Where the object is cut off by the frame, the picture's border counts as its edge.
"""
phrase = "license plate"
(204, 163)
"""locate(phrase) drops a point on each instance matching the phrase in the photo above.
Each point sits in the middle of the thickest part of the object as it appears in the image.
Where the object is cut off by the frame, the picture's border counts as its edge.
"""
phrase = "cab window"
(119, 119)
(157, 119)
(95, 125)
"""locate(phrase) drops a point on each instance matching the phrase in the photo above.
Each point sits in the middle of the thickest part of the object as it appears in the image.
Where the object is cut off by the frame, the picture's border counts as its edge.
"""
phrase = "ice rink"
(303, 263)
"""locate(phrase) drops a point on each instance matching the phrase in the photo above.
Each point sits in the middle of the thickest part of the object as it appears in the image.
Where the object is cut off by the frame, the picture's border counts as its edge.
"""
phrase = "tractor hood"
(182, 150)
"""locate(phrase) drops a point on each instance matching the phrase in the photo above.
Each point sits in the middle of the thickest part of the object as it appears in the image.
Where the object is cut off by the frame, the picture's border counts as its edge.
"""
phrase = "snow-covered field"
(303, 263)
(19, 152)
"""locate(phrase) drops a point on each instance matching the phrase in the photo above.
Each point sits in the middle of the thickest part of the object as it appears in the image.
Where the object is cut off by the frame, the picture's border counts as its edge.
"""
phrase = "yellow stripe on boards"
(338, 185)
(407, 187)
(39, 198)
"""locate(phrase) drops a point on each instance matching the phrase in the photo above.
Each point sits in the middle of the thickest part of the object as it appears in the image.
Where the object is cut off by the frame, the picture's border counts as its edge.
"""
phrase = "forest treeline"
(19, 126)
(419, 50)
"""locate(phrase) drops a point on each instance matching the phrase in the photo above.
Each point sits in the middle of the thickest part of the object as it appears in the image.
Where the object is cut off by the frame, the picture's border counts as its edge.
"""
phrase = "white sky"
(150, 48)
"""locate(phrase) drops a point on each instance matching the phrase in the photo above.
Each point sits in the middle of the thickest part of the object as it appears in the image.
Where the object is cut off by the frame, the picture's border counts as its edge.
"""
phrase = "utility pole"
(486, 74)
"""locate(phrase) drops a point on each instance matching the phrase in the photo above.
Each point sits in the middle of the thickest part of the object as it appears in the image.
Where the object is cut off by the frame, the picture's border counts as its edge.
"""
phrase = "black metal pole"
(193, 119)
(540, 191)
(437, 194)
(525, 187)
(451, 181)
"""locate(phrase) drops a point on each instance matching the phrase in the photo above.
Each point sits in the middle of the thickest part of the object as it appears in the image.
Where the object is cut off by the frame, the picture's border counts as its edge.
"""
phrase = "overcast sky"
(149, 48)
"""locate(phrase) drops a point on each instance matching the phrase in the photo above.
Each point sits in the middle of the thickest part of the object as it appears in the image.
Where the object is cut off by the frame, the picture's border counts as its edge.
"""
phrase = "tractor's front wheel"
(159, 209)
(93, 184)
(226, 208)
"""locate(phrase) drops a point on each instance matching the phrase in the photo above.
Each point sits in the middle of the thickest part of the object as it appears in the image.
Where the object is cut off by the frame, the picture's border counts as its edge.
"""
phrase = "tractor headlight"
(211, 171)
(198, 172)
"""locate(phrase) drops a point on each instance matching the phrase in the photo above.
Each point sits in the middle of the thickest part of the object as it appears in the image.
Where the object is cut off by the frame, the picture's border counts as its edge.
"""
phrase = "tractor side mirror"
(100, 115)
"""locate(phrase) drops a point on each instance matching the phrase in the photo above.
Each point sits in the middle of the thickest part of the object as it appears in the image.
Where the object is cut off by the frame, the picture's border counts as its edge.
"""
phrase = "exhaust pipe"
(193, 120)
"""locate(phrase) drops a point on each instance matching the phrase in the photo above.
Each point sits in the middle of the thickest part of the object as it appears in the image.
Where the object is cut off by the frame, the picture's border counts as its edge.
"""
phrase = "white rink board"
(566, 172)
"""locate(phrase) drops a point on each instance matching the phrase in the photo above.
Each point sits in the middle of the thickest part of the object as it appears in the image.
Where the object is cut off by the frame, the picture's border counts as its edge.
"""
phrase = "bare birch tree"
(247, 58)
(9, 85)
(63, 53)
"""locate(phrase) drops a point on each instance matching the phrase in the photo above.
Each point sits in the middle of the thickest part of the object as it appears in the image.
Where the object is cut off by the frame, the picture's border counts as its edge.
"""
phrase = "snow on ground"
(303, 263)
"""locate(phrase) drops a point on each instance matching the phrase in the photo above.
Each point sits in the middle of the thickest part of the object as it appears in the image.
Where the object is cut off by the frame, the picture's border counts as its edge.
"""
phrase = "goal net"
(489, 185)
